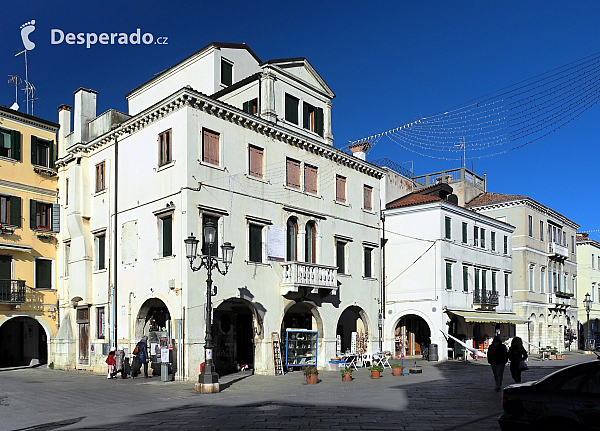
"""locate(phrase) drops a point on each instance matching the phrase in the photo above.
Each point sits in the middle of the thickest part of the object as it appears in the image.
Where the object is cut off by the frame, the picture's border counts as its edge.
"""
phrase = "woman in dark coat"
(141, 358)
(516, 354)
(497, 356)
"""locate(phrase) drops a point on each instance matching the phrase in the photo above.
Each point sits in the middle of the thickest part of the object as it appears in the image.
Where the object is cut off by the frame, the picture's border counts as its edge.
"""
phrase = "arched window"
(310, 243)
(292, 239)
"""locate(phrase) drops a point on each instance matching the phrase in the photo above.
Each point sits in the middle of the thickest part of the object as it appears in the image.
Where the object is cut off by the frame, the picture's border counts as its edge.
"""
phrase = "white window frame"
(97, 235)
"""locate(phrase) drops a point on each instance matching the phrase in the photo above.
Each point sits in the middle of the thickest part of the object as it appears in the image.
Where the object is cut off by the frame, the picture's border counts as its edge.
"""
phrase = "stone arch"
(354, 319)
(301, 309)
(153, 307)
(411, 329)
(24, 340)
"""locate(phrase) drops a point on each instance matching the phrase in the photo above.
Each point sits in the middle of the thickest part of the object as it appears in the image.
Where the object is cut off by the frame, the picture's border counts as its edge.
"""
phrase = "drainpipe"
(115, 242)
(382, 296)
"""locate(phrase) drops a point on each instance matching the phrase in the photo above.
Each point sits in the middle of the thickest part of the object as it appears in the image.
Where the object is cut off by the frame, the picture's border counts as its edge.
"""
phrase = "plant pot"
(347, 377)
(375, 374)
(552, 356)
(396, 371)
(312, 379)
(560, 357)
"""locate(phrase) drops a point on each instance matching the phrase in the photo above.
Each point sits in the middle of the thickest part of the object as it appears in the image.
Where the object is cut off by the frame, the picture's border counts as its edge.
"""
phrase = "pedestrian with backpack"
(140, 357)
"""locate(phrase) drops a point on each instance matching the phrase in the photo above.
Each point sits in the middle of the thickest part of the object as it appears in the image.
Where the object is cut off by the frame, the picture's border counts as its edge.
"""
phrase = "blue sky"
(389, 63)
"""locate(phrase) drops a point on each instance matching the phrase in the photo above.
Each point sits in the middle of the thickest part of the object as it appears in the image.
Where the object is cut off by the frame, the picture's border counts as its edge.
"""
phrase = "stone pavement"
(446, 396)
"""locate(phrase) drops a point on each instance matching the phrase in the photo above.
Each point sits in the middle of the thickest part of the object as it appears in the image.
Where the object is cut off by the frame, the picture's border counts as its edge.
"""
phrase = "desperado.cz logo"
(57, 37)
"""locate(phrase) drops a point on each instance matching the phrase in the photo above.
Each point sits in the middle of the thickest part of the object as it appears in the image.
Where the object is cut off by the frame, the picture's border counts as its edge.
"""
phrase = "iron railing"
(485, 298)
(12, 291)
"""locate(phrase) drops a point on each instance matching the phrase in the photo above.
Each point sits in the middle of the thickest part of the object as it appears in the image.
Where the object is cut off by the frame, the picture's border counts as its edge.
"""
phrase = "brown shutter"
(340, 189)
(367, 195)
(210, 147)
(256, 162)
(293, 173)
(310, 179)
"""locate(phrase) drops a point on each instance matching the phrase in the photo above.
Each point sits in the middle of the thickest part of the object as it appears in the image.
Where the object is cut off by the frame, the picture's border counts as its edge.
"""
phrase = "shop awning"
(484, 316)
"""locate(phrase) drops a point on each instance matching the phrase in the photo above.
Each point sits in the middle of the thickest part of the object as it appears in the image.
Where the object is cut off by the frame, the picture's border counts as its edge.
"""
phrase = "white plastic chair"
(367, 357)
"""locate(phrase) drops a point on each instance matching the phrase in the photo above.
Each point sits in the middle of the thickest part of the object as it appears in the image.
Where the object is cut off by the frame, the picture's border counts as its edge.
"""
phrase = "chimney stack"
(85, 111)
(360, 150)
(64, 119)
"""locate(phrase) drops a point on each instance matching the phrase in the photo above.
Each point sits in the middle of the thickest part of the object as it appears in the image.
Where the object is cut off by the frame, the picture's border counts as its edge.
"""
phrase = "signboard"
(164, 354)
(275, 243)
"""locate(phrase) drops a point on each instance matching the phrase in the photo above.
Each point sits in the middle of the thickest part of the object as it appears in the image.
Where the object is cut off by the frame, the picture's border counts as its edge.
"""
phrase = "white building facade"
(588, 282)
(255, 158)
(447, 270)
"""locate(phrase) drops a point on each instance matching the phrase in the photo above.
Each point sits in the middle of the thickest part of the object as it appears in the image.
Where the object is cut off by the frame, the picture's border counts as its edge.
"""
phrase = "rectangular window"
(10, 210)
(505, 284)
(67, 257)
(541, 230)
(164, 148)
(67, 192)
(100, 179)
(475, 236)
(166, 235)
(494, 275)
(448, 275)
(255, 234)
(210, 147)
(464, 233)
(310, 179)
(214, 250)
(10, 144)
(312, 118)
(41, 216)
(482, 238)
(251, 107)
(255, 156)
(493, 240)
(226, 72)
(368, 198)
(292, 173)
(100, 251)
(593, 260)
(465, 279)
(543, 280)
(505, 244)
(100, 320)
(572, 244)
(340, 189)
(530, 225)
(448, 228)
(43, 274)
(291, 109)
(531, 284)
(477, 271)
(42, 152)
(340, 256)
(368, 270)
(483, 282)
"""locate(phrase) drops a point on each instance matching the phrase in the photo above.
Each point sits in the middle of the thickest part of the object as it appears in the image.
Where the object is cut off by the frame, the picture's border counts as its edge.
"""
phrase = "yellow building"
(29, 220)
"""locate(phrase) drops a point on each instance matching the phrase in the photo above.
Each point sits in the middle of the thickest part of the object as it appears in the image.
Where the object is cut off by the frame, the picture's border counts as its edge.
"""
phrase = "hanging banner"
(275, 243)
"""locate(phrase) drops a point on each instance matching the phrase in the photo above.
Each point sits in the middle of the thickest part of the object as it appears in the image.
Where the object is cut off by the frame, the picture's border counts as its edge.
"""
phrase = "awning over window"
(487, 317)
(15, 247)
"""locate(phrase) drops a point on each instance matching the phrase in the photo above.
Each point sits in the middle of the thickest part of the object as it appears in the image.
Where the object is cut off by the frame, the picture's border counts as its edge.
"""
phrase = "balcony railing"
(487, 298)
(12, 291)
(557, 250)
(560, 300)
(308, 275)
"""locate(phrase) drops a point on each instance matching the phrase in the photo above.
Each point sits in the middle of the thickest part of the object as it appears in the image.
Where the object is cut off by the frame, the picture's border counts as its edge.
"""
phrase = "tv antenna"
(29, 88)
(16, 81)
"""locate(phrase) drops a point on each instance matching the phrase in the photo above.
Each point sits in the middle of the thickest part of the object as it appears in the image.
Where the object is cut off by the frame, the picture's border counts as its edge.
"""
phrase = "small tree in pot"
(397, 369)
(312, 375)
(346, 374)
(376, 371)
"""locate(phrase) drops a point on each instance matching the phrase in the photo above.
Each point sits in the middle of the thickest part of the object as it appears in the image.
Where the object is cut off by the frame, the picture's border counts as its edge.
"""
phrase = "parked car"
(563, 400)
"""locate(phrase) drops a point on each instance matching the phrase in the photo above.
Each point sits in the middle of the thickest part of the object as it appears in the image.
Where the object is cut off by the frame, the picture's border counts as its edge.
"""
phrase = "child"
(111, 364)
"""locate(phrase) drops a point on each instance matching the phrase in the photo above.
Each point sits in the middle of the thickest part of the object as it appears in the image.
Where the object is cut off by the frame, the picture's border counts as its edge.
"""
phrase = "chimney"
(360, 150)
(64, 119)
(85, 111)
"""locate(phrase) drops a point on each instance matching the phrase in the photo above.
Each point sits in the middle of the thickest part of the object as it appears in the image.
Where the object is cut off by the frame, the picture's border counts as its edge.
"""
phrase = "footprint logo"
(26, 30)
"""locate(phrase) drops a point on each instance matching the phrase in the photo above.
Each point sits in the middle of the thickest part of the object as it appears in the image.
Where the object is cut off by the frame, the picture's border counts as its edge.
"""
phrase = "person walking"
(497, 355)
(110, 361)
(516, 354)
(140, 358)
(120, 362)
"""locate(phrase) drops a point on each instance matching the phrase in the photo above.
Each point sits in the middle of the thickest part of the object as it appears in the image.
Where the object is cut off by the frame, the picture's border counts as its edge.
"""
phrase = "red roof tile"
(412, 199)
(489, 198)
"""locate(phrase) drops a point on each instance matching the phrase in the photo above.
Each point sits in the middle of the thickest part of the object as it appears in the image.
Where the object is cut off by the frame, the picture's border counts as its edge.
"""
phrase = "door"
(84, 342)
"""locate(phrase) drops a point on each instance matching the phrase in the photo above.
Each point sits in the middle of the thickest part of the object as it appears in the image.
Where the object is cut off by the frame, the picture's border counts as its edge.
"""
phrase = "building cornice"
(29, 120)
(194, 99)
(27, 188)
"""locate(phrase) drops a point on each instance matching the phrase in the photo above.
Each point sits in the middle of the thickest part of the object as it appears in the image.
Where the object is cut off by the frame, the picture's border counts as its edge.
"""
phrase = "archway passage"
(411, 333)
(353, 330)
(23, 341)
(153, 320)
(233, 335)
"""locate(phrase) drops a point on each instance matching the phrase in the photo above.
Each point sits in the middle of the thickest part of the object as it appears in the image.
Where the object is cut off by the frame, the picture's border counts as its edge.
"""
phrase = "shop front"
(412, 334)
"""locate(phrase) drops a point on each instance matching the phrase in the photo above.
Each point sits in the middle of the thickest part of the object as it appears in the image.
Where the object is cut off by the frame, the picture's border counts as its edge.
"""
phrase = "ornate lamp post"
(587, 303)
(208, 379)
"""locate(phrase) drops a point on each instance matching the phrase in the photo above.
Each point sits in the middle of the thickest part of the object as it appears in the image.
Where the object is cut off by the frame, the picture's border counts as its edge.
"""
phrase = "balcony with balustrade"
(557, 251)
(310, 276)
(486, 299)
(12, 292)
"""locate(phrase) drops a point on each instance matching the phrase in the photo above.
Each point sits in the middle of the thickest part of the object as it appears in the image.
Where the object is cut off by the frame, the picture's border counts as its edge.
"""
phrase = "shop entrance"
(22, 342)
(153, 320)
(233, 335)
(353, 320)
(411, 334)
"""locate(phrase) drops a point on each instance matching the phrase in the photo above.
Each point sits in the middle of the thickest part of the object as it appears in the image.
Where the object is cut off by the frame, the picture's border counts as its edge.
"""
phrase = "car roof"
(567, 372)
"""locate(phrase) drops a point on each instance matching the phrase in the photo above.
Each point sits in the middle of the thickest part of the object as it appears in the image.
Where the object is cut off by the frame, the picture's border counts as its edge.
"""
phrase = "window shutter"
(55, 218)
(15, 211)
(32, 213)
(305, 116)
(448, 276)
(51, 155)
(15, 140)
(368, 262)
(293, 173)
(34, 150)
(319, 121)
(255, 243)
(246, 107)
(256, 161)
(310, 179)
(341, 257)
(340, 189)
(367, 198)
(167, 236)
(210, 150)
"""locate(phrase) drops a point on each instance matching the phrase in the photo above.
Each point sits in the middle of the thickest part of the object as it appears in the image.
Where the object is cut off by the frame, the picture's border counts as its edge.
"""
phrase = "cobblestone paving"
(446, 396)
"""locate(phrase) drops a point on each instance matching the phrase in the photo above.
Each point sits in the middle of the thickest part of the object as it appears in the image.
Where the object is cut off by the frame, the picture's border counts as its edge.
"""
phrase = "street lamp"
(587, 303)
(208, 379)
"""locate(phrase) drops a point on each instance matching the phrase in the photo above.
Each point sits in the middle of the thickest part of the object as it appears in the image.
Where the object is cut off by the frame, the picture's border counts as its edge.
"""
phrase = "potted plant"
(376, 371)
(397, 369)
(553, 353)
(311, 374)
(346, 374)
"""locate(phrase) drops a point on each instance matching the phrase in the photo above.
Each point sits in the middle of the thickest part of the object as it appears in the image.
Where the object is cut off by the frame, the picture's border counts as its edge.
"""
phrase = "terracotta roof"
(489, 198)
(412, 199)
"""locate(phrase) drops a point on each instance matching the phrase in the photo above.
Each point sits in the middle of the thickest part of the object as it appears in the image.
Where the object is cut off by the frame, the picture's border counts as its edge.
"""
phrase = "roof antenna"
(16, 81)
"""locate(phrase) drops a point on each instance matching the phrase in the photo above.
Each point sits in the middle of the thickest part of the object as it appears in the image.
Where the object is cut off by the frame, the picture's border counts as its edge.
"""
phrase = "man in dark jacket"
(141, 358)
(497, 355)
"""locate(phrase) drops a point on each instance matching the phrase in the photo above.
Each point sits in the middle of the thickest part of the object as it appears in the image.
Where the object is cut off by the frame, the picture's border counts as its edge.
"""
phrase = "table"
(381, 359)
(351, 360)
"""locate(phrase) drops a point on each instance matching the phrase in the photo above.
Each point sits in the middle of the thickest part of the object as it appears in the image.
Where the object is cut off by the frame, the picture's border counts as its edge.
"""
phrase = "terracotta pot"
(375, 374)
(552, 356)
(312, 379)
(347, 377)
(396, 371)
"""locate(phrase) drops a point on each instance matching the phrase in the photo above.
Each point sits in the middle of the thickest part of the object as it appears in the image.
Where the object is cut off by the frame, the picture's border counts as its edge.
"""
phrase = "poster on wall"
(275, 243)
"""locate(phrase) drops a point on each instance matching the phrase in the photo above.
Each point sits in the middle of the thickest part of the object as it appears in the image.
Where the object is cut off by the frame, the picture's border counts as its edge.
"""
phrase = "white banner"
(275, 243)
